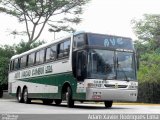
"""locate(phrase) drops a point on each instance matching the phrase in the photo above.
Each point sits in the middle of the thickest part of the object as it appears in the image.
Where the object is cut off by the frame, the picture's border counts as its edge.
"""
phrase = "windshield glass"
(106, 64)
(125, 66)
(101, 64)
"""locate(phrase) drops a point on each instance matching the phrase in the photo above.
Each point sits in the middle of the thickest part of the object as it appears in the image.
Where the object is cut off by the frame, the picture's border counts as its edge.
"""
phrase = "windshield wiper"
(126, 77)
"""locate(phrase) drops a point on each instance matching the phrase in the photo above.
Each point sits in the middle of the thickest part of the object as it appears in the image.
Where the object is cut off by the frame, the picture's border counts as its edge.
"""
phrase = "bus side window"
(60, 50)
(53, 52)
(66, 48)
(23, 61)
(12, 65)
(40, 57)
(31, 59)
(37, 57)
(78, 41)
(48, 50)
(16, 64)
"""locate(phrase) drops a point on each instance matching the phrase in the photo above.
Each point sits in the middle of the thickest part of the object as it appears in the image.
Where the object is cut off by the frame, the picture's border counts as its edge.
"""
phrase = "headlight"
(133, 86)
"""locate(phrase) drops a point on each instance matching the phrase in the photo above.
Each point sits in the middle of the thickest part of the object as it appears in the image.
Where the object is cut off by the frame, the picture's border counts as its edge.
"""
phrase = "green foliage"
(149, 68)
(25, 46)
(148, 50)
(6, 53)
(148, 29)
(3, 70)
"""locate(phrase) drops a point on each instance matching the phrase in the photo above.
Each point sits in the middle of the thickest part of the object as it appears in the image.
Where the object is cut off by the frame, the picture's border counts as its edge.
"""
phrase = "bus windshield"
(107, 64)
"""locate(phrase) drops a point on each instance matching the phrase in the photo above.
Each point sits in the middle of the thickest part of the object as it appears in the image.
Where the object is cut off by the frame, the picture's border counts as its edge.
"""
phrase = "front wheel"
(25, 96)
(108, 104)
(70, 101)
(1, 93)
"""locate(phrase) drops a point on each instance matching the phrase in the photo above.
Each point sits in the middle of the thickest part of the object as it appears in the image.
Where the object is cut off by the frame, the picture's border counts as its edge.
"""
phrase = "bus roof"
(56, 41)
(39, 47)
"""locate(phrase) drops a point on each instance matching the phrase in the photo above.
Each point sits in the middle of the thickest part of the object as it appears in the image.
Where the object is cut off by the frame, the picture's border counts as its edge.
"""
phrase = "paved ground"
(13, 107)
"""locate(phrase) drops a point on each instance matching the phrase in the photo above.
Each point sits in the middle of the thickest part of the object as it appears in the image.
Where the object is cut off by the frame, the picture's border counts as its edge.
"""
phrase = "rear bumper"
(96, 94)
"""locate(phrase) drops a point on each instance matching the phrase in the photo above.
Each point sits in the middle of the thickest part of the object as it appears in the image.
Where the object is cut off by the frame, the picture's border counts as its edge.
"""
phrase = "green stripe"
(55, 80)
(52, 79)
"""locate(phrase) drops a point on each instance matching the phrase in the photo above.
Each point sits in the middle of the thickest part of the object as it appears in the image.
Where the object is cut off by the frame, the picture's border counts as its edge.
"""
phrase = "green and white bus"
(81, 67)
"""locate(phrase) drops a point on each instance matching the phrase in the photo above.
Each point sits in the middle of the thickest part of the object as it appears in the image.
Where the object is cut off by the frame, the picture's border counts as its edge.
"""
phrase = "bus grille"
(115, 86)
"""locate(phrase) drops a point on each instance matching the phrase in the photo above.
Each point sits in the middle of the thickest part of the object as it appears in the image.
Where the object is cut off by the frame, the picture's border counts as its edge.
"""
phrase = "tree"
(6, 53)
(24, 46)
(148, 49)
(148, 30)
(58, 14)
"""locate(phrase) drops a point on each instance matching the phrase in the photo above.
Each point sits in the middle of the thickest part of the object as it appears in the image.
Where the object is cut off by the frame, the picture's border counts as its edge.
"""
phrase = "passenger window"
(78, 41)
(53, 52)
(10, 66)
(66, 48)
(23, 61)
(16, 64)
(48, 50)
(13, 65)
(40, 57)
(63, 49)
(60, 51)
(31, 59)
(37, 58)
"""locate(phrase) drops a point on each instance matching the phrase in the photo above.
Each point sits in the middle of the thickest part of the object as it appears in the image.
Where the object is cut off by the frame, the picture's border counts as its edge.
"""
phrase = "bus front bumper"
(97, 94)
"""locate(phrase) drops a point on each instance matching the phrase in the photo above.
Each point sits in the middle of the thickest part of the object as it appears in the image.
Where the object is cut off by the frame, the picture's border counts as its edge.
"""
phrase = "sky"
(100, 16)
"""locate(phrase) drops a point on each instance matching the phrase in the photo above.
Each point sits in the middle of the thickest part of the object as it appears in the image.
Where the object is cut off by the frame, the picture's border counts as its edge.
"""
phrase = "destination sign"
(110, 41)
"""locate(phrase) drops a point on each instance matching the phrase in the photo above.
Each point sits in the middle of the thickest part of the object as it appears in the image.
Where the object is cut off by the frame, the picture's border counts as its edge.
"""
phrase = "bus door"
(81, 65)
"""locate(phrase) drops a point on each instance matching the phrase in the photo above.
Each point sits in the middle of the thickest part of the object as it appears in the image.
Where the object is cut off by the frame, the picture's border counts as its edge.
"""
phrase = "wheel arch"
(65, 86)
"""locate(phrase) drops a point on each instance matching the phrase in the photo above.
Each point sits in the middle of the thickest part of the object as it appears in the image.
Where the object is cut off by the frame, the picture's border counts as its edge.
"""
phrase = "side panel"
(43, 80)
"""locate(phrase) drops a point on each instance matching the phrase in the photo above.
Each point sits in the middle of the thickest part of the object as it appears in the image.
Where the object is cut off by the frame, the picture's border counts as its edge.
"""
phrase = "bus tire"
(1, 92)
(108, 104)
(47, 101)
(58, 101)
(70, 101)
(25, 96)
(19, 96)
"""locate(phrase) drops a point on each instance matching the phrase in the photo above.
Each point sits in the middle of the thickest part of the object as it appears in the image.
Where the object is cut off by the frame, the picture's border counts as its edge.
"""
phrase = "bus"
(81, 67)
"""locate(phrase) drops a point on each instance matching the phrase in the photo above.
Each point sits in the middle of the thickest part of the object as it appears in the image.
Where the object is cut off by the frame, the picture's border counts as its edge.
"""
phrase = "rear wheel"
(20, 96)
(25, 96)
(1, 92)
(58, 101)
(70, 101)
(47, 101)
(108, 104)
